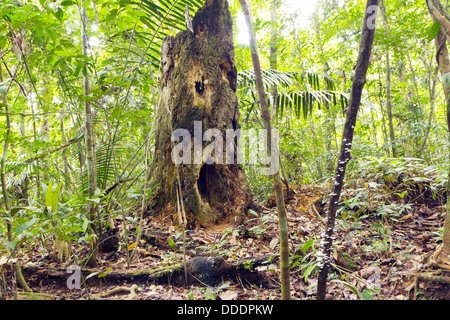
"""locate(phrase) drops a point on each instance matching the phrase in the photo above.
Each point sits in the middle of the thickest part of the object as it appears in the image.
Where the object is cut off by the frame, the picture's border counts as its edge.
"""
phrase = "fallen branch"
(209, 272)
(433, 278)
(131, 290)
(203, 271)
(34, 296)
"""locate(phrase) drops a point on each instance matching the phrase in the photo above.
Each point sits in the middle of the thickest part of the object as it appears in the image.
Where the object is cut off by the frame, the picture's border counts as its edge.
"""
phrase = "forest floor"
(374, 257)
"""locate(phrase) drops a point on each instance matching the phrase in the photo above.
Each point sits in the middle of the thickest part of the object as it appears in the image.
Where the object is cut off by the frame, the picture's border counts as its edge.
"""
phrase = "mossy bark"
(198, 83)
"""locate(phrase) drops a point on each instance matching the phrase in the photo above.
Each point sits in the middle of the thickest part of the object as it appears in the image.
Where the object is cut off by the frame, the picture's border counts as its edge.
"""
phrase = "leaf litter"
(376, 252)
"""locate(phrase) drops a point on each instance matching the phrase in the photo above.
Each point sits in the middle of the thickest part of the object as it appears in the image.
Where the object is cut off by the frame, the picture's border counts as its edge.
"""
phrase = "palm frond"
(164, 17)
(105, 167)
(285, 79)
(20, 166)
(303, 101)
(300, 91)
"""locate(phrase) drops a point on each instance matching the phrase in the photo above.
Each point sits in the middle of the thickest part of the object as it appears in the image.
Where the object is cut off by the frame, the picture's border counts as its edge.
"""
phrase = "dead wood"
(130, 290)
(201, 271)
(211, 271)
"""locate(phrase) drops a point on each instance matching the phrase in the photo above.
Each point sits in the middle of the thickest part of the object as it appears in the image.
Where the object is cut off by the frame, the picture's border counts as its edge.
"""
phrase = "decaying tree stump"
(198, 88)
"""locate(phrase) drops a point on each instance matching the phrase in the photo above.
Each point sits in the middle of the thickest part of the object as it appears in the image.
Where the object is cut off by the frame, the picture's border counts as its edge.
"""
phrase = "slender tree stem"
(284, 241)
(9, 233)
(359, 80)
(89, 140)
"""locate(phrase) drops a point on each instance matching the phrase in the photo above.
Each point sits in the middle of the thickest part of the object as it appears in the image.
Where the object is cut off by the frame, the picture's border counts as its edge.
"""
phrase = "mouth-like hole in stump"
(203, 182)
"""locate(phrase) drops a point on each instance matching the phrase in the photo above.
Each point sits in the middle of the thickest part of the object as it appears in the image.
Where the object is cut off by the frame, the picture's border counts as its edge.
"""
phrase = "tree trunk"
(388, 85)
(3, 162)
(198, 93)
(359, 80)
(432, 93)
(330, 129)
(444, 66)
(273, 65)
(380, 102)
(277, 186)
(389, 106)
(89, 139)
(9, 233)
(273, 50)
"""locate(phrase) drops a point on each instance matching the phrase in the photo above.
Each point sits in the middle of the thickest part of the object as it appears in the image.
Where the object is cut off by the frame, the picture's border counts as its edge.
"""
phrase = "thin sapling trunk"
(359, 80)
(9, 233)
(265, 115)
(89, 139)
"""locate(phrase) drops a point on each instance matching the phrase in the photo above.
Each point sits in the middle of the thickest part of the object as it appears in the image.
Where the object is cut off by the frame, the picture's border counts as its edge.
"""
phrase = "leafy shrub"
(387, 187)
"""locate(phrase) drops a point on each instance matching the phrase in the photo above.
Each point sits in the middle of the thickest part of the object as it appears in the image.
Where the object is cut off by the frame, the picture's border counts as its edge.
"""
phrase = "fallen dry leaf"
(228, 295)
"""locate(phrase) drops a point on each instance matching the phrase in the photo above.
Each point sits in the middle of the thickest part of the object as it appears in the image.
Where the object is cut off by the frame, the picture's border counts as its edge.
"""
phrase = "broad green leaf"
(56, 197)
(67, 3)
(401, 195)
(15, 210)
(210, 294)
(49, 196)
(2, 41)
(85, 224)
(171, 243)
(308, 271)
(86, 4)
(25, 226)
(307, 245)
(74, 229)
(347, 284)
(365, 295)
(132, 220)
(34, 78)
(101, 275)
(11, 245)
(434, 30)
(77, 70)
(59, 14)
(116, 113)
(252, 212)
